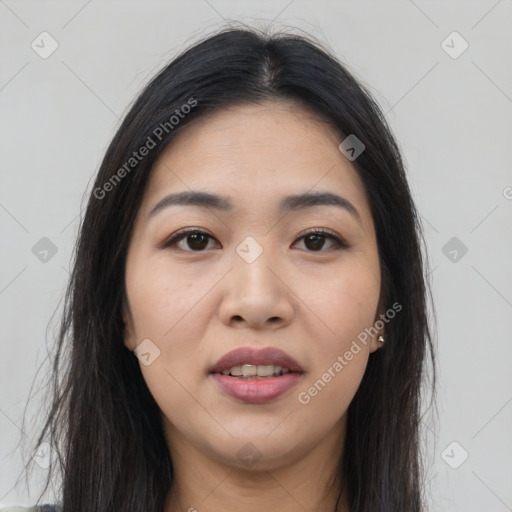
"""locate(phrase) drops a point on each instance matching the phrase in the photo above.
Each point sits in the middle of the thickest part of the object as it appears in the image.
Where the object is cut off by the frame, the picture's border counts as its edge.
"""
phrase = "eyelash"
(339, 244)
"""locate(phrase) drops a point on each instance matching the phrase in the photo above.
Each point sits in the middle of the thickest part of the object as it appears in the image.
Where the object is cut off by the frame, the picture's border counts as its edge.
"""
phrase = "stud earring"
(381, 338)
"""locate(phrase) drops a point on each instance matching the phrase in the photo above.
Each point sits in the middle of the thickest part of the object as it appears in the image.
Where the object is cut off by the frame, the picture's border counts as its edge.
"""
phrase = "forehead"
(254, 153)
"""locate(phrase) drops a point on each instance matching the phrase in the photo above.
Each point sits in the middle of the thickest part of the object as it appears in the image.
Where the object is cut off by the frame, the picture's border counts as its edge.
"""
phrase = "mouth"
(249, 362)
(253, 371)
(256, 375)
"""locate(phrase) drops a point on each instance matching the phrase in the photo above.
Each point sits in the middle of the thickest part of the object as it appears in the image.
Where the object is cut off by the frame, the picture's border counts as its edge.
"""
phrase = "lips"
(256, 357)
(252, 388)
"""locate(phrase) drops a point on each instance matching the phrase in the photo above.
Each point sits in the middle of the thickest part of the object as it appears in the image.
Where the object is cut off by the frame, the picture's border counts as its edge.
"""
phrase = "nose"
(257, 294)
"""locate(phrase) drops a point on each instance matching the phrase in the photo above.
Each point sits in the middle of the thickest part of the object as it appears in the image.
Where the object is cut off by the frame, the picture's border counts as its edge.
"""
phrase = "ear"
(129, 328)
(380, 326)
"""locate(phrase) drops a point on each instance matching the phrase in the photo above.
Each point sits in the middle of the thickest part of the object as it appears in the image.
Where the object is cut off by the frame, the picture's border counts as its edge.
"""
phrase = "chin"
(259, 448)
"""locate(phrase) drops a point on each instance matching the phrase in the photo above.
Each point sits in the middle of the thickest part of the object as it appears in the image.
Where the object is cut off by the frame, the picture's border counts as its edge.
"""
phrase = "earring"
(381, 338)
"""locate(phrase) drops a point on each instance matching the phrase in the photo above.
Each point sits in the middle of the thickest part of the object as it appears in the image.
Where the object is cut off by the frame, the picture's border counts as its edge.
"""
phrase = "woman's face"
(254, 277)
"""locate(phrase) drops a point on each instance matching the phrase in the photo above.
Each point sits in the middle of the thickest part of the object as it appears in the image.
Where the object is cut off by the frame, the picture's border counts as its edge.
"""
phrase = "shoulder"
(16, 508)
(39, 508)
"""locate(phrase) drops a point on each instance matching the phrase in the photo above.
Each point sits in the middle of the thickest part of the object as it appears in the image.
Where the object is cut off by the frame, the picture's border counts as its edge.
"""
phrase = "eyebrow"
(287, 204)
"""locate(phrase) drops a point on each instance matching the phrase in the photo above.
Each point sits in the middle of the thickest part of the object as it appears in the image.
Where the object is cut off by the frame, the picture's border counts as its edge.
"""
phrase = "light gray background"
(452, 118)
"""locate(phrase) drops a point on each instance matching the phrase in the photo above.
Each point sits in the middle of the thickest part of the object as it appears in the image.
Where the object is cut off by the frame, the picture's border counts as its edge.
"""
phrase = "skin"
(198, 300)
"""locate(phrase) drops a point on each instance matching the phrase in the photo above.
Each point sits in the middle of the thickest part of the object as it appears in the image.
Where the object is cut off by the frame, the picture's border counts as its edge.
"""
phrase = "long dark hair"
(100, 403)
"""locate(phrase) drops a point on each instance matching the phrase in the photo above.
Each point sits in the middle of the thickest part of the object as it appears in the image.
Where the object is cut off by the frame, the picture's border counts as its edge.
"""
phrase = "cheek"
(345, 307)
(344, 304)
(169, 309)
(162, 300)
(341, 355)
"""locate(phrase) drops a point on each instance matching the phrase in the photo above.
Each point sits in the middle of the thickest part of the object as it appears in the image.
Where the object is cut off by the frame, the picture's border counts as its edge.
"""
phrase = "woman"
(247, 307)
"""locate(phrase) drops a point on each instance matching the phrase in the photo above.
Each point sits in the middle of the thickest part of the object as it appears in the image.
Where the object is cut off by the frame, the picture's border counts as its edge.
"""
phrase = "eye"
(196, 240)
(315, 240)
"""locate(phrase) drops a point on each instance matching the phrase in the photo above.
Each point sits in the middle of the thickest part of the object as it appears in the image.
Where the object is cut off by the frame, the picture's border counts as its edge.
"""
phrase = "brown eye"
(197, 241)
(194, 240)
(315, 241)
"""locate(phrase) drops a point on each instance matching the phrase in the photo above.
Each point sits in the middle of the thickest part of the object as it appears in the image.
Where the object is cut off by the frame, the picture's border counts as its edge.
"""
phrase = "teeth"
(249, 371)
(237, 371)
(267, 370)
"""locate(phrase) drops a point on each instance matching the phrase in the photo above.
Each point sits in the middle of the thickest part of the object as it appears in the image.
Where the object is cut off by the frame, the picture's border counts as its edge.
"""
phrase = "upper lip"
(254, 356)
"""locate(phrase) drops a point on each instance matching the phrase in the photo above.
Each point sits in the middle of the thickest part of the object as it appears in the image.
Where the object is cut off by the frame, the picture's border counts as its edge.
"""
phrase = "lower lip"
(256, 391)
